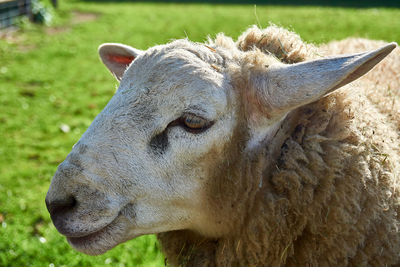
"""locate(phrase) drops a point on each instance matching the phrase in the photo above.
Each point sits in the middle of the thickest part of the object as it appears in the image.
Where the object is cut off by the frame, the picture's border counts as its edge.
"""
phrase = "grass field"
(52, 85)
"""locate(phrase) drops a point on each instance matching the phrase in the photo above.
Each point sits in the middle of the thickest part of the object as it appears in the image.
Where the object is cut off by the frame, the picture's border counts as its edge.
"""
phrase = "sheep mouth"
(102, 240)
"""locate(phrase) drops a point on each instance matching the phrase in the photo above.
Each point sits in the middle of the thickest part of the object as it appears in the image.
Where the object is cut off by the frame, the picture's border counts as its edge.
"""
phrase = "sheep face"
(148, 162)
(141, 166)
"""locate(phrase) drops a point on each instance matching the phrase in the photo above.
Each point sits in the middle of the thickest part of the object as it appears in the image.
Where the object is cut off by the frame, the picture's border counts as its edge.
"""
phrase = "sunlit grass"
(52, 76)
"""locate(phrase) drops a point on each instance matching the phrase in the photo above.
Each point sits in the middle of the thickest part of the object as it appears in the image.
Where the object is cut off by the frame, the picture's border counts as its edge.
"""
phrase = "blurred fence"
(10, 10)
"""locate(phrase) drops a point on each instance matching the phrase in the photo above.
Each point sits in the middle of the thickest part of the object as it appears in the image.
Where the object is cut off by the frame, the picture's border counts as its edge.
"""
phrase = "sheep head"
(182, 115)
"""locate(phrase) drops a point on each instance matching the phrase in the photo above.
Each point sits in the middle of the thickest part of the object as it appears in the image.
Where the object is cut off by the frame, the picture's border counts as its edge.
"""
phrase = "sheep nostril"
(60, 205)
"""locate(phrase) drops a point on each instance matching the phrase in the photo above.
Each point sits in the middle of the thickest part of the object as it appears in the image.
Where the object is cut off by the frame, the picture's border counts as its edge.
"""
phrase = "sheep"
(241, 153)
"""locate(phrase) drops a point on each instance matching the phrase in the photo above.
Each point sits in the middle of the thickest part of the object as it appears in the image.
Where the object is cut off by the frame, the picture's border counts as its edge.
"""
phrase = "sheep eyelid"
(181, 123)
(197, 130)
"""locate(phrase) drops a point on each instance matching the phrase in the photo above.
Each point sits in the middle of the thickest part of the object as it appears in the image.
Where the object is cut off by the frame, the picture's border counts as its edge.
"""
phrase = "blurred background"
(52, 85)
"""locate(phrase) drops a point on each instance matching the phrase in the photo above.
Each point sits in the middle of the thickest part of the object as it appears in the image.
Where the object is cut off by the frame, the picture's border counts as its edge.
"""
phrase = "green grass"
(52, 76)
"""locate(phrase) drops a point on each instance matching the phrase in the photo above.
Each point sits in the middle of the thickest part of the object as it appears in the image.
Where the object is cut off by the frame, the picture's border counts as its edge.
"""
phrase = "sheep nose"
(60, 206)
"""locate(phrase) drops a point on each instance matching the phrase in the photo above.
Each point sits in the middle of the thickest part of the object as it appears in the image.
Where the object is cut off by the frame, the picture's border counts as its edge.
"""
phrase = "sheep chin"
(103, 240)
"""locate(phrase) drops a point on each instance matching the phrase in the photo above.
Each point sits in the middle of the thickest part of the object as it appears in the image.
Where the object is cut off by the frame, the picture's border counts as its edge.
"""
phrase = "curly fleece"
(329, 194)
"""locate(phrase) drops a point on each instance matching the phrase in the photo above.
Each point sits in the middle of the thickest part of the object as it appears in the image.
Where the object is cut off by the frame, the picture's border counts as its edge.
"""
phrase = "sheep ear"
(283, 87)
(117, 57)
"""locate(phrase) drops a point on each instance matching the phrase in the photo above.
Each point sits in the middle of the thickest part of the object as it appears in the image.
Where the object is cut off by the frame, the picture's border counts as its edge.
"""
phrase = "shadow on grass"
(326, 3)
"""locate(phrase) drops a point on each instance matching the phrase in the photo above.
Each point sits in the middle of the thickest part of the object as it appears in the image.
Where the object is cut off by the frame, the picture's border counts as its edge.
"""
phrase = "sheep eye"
(195, 124)
(192, 123)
